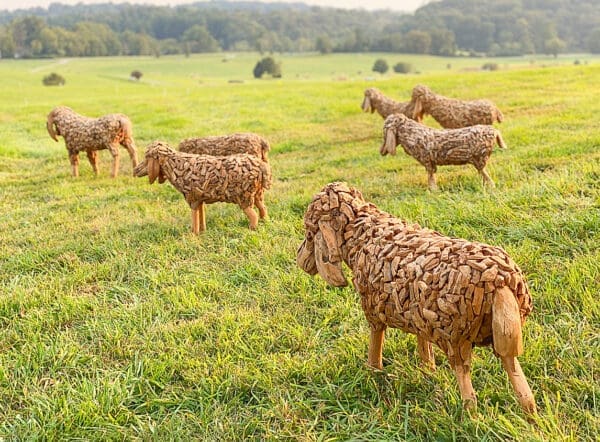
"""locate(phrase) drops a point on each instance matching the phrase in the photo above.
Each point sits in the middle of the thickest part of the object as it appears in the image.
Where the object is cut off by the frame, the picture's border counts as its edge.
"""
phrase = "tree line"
(448, 27)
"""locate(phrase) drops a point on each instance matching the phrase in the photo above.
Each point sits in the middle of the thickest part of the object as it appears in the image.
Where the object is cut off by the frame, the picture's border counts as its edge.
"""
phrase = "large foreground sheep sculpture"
(91, 135)
(435, 147)
(227, 145)
(451, 113)
(204, 179)
(375, 100)
(451, 292)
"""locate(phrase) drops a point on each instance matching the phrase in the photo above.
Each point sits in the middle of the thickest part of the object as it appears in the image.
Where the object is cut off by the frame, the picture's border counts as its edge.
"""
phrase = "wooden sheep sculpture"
(91, 135)
(438, 147)
(451, 113)
(204, 179)
(374, 100)
(227, 145)
(451, 292)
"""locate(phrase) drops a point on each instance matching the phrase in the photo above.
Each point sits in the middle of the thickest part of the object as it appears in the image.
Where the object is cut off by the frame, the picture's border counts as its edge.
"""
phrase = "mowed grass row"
(117, 323)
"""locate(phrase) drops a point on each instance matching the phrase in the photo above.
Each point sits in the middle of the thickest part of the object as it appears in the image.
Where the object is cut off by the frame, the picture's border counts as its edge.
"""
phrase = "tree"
(594, 41)
(402, 68)
(554, 46)
(136, 75)
(53, 79)
(324, 45)
(269, 66)
(417, 42)
(200, 40)
(380, 66)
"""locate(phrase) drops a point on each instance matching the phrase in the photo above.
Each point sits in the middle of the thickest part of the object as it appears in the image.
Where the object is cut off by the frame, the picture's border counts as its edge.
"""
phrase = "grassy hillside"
(117, 323)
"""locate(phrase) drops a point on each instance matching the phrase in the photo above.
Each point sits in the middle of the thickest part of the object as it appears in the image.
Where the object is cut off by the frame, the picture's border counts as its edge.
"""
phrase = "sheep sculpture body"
(375, 100)
(204, 179)
(435, 147)
(451, 292)
(227, 145)
(91, 135)
(451, 113)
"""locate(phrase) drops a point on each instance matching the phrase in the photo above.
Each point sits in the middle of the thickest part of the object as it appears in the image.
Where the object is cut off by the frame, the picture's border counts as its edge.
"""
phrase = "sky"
(397, 5)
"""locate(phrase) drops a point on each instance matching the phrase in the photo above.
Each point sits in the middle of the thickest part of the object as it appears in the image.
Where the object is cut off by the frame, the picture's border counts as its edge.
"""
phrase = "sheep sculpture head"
(419, 94)
(151, 165)
(391, 126)
(320, 252)
(370, 93)
(51, 126)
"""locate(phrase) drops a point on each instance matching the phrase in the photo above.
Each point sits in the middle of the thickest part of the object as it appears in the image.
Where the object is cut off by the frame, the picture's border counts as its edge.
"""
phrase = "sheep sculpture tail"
(508, 343)
(266, 179)
(500, 140)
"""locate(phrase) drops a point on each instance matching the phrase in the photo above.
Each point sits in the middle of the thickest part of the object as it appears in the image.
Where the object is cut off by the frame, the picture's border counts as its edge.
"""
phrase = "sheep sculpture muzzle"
(366, 105)
(316, 254)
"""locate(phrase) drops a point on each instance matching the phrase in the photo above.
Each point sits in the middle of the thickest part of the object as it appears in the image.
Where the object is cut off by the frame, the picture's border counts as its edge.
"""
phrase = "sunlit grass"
(118, 323)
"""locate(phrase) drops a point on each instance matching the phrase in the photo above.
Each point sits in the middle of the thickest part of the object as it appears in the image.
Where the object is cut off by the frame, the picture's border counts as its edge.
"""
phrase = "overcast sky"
(398, 5)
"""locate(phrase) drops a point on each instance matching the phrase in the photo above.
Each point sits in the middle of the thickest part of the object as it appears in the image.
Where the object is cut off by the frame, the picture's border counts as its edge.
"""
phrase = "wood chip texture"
(249, 143)
(437, 147)
(409, 277)
(451, 113)
(375, 100)
(240, 179)
(91, 134)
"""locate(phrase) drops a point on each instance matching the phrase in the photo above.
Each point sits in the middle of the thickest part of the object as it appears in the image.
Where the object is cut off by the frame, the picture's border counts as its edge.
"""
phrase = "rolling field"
(118, 324)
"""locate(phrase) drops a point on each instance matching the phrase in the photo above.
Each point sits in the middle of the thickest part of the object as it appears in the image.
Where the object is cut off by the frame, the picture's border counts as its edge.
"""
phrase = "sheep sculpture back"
(451, 113)
(91, 135)
(451, 292)
(222, 145)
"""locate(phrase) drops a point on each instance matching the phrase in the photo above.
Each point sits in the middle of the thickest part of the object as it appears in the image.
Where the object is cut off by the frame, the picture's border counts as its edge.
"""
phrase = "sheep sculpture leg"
(467, 393)
(199, 219)
(114, 151)
(431, 179)
(376, 348)
(519, 383)
(252, 217)
(93, 159)
(425, 349)
(486, 178)
(130, 146)
(74, 159)
(259, 202)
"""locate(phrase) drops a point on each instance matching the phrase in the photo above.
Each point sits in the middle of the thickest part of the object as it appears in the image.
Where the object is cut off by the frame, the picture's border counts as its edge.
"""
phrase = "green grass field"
(118, 324)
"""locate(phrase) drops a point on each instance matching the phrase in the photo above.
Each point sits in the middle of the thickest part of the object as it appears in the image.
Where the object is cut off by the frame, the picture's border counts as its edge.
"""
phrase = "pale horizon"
(402, 5)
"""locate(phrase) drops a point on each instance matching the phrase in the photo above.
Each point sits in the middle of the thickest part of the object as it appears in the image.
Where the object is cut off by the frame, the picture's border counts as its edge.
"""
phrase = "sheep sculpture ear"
(418, 110)
(328, 262)
(153, 170)
(305, 257)
(389, 143)
(50, 128)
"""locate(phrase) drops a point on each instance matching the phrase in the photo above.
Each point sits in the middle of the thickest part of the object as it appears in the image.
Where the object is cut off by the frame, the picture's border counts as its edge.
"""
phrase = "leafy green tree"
(380, 66)
(323, 44)
(267, 65)
(417, 42)
(594, 41)
(200, 39)
(554, 46)
(402, 67)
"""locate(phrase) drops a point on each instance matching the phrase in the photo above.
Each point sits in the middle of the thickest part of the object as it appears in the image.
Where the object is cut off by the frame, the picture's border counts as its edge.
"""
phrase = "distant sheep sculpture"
(227, 145)
(451, 292)
(241, 179)
(91, 135)
(451, 113)
(375, 100)
(438, 147)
